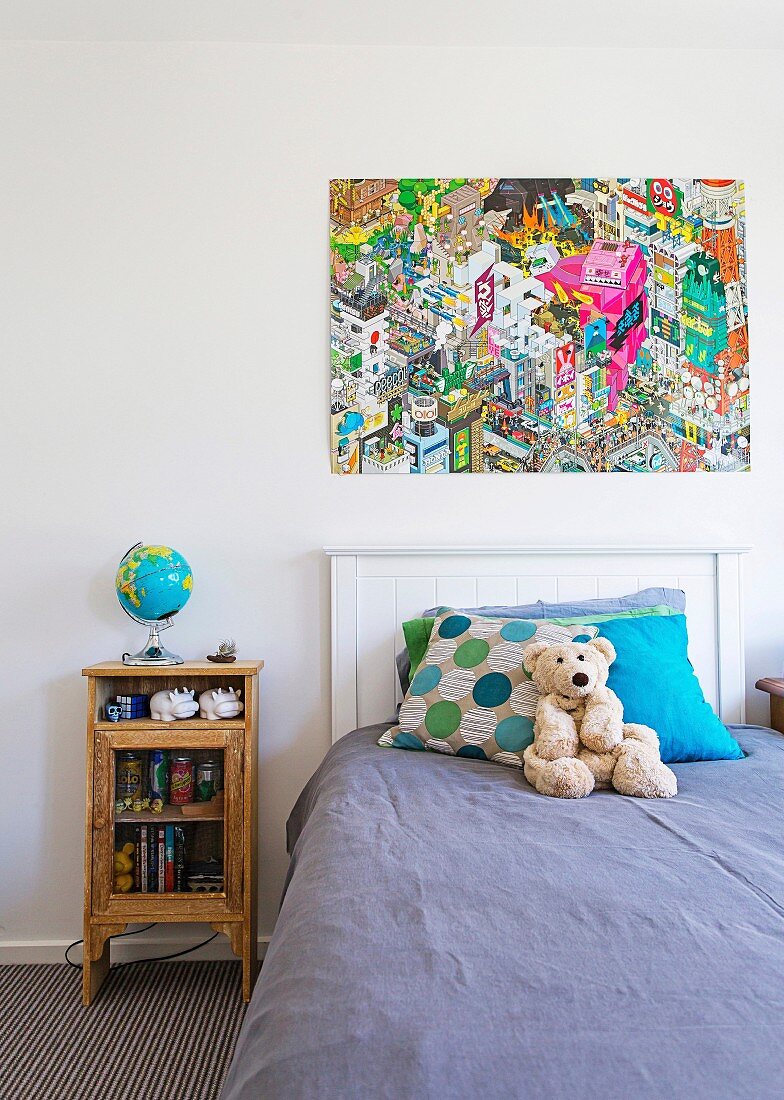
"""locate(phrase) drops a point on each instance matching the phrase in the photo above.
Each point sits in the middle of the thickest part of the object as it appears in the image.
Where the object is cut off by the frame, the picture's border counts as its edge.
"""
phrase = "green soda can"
(158, 778)
(206, 781)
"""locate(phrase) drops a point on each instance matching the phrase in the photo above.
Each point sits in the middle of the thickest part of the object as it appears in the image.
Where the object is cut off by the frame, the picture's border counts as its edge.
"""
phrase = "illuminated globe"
(153, 583)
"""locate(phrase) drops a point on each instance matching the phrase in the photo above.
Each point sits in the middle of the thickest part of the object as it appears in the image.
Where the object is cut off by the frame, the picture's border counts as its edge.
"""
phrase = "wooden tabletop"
(773, 685)
(197, 668)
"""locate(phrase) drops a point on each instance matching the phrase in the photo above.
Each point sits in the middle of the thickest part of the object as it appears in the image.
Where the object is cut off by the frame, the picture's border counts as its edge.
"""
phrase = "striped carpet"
(156, 1031)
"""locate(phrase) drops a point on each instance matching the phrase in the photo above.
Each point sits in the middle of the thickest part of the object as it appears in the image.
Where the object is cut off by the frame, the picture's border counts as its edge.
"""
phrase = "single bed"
(447, 932)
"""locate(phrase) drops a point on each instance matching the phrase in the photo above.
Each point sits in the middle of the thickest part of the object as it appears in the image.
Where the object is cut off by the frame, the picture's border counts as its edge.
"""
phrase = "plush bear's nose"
(580, 679)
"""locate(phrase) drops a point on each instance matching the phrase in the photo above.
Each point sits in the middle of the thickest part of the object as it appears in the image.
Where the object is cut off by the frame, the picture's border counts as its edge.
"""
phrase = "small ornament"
(134, 706)
(227, 652)
(220, 703)
(119, 806)
(166, 706)
(112, 712)
(156, 805)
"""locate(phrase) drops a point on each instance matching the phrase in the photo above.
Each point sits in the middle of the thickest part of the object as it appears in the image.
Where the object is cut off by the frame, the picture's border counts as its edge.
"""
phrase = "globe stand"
(153, 653)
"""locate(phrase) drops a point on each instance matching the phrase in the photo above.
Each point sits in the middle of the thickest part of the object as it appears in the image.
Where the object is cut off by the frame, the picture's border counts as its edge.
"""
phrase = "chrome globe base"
(154, 653)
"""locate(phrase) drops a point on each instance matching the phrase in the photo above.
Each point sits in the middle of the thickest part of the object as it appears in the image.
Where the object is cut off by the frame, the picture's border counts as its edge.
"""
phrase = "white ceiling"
(714, 24)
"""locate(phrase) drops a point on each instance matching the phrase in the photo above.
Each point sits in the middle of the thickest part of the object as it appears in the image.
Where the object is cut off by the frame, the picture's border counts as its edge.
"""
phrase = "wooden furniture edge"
(772, 685)
(117, 668)
(775, 690)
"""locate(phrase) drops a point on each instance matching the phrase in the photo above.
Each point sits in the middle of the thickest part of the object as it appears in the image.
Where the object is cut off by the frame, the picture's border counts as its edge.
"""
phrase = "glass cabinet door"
(168, 811)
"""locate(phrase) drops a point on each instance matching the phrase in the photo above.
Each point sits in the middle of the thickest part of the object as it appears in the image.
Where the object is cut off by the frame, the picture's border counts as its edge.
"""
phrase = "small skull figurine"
(112, 712)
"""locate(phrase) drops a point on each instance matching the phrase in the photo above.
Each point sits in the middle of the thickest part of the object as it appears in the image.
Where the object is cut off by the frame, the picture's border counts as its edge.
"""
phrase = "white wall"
(164, 334)
(603, 23)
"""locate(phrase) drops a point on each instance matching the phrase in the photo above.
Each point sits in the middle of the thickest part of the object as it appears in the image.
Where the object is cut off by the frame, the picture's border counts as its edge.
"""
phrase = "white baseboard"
(126, 949)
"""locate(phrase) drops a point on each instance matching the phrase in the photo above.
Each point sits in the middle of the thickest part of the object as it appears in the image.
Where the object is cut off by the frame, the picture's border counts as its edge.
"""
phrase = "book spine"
(179, 858)
(152, 861)
(169, 859)
(137, 856)
(145, 862)
(161, 859)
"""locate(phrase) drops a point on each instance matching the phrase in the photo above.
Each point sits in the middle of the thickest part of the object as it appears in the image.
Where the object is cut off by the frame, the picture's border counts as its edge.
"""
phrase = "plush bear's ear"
(606, 648)
(531, 655)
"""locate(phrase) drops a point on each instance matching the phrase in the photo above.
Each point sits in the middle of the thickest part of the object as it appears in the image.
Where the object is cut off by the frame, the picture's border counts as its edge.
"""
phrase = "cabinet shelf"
(180, 724)
(171, 895)
(168, 814)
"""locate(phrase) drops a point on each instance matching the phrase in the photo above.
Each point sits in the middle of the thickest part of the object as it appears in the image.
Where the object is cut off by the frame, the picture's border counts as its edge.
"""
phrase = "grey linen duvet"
(447, 932)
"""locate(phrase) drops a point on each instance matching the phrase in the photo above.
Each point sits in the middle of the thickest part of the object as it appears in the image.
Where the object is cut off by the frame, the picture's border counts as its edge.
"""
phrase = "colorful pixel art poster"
(538, 325)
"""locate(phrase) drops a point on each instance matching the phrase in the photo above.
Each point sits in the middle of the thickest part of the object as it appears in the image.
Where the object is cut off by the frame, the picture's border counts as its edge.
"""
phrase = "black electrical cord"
(135, 962)
(135, 932)
(161, 958)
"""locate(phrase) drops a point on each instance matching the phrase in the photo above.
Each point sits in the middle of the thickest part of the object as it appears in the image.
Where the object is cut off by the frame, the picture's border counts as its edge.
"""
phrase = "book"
(179, 858)
(145, 857)
(161, 859)
(152, 861)
(169, 859)
(137, 858)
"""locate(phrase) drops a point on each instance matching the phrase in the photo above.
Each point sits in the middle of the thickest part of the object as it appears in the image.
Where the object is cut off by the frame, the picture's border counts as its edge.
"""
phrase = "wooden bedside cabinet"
(774, 686)
(219, 841)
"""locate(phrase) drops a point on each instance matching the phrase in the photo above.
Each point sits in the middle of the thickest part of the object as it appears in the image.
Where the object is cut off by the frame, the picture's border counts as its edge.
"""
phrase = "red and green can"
(181, 780)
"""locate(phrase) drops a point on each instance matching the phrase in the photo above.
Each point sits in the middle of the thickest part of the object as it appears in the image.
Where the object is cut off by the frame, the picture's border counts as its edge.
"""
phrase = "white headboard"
(376, 588)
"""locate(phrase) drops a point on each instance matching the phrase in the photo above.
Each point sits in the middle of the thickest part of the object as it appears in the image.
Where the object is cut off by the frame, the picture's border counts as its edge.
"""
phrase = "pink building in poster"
(609, 280)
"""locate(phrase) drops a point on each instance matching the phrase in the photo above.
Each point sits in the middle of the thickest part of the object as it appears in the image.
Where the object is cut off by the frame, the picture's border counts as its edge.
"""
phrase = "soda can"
(181, 781)
(206, 781)
(159, 774)
(129, 775)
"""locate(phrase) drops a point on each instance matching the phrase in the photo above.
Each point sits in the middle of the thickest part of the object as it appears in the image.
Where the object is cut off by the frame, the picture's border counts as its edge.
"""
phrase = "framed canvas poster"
(538, 325)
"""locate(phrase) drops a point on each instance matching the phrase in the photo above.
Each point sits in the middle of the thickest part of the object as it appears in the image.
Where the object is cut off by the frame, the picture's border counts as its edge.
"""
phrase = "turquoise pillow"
(654, 679)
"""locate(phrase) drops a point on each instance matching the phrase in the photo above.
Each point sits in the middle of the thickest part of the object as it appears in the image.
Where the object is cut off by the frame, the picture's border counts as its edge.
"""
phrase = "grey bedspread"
(447, 932)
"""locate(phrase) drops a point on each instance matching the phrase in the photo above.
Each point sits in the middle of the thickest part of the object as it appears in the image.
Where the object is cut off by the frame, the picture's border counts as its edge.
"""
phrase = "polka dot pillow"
(471, 695)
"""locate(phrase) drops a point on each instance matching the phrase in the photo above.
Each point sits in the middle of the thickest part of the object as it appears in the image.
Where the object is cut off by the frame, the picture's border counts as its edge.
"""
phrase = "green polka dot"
(442, 719)
(407, 741)
(471, 653)
(520, 630)
(425, 680)
(454, 626)
(473, 752)
(492, 690)
(514, 734)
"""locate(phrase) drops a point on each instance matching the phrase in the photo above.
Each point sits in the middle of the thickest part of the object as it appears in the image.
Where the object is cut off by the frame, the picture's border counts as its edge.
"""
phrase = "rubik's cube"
(134, 706)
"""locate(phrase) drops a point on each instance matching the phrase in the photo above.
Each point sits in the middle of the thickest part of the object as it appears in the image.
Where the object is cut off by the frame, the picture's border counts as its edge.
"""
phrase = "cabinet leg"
(250, 962)
(96, 956)
(93, 974)
(243, 943)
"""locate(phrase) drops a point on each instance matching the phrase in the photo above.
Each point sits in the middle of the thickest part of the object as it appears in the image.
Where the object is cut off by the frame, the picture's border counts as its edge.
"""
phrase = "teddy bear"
(580, 738)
